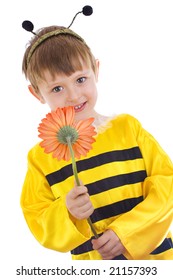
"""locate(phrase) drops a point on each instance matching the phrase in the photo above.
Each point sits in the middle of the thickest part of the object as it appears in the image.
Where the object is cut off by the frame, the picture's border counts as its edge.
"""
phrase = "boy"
(128, 178)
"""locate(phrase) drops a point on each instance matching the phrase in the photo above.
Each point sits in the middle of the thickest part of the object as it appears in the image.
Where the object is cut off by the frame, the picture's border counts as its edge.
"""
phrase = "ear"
(36, 94)
(97, 69)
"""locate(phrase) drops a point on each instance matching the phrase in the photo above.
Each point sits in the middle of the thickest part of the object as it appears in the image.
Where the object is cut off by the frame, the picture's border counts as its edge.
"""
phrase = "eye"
(81, 80)
(57, 89)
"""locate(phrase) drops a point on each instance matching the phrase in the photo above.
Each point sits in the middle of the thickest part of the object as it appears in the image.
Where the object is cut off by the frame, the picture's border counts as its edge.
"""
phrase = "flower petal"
(49, 146)
(83, 124)
(86, 145)
(69, 114)
(62, 153)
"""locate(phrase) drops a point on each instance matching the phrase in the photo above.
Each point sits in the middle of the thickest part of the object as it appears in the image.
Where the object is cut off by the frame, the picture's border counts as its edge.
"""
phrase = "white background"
(134, 42)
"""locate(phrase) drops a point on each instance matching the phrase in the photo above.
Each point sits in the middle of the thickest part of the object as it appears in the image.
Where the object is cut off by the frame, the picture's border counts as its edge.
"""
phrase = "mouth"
(79, 107)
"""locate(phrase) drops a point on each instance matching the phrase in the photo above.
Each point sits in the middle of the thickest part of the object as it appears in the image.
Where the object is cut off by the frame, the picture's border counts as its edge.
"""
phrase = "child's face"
(78, 90)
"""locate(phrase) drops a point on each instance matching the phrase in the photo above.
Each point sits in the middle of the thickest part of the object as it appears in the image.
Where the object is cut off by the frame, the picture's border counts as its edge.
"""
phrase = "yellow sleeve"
(47, 217)
(144, 228)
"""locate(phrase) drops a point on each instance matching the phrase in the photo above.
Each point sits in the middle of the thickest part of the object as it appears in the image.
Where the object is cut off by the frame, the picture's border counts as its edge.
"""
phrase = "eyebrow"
(76, 74)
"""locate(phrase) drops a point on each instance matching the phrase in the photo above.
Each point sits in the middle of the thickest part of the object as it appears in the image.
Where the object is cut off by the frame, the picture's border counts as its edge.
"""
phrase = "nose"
(72, 95)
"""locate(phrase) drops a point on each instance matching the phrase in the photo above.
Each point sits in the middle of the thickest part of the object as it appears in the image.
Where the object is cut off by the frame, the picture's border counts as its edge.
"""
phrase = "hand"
(108, 245)
(78, 203)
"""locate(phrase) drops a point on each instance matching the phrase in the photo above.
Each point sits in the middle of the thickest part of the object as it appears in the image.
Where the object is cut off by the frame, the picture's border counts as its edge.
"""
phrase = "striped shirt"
(130, 182)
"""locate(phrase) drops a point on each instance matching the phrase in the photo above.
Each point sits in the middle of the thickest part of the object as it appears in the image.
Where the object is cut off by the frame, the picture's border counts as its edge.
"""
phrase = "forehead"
(60, 77)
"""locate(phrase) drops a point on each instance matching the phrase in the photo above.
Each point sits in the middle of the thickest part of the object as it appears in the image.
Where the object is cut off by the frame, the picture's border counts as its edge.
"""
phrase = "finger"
(99, 243)
(82, 201)
(77, 191)
(112, 253)
(86, 206)
(84, 214)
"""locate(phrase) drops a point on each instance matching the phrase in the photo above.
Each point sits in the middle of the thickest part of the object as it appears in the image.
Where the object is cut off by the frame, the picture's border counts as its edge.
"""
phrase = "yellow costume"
(130, 182)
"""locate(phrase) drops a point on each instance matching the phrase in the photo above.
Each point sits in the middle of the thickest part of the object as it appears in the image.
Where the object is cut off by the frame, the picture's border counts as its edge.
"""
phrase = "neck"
(99, 120)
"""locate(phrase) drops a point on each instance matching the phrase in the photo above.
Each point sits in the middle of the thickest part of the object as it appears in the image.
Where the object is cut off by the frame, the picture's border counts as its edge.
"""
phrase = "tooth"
(78, 107)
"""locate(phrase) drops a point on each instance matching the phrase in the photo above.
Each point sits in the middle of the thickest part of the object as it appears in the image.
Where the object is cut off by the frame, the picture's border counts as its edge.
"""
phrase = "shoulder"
(38, 159)
(35, 148)
(36, 152)
(122, 124)
(126, 121)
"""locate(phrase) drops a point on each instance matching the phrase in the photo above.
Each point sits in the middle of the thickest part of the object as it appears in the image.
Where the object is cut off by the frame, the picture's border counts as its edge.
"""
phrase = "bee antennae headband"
(28, 26)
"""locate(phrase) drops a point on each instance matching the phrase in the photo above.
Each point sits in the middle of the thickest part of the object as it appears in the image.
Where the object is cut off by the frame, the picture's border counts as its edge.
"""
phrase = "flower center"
(67, 132)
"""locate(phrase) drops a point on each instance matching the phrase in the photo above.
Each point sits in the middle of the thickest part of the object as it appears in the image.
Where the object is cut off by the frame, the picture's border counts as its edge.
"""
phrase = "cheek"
(93, 93)
(55, 102)
(54, 105)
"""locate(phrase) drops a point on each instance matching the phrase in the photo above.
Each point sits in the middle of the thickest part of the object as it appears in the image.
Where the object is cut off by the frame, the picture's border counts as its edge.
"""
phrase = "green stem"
(92, 228)
(74, 167)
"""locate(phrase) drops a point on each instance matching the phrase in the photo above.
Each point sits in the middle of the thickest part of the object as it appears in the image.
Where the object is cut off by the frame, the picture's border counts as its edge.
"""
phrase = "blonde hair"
(64, 52)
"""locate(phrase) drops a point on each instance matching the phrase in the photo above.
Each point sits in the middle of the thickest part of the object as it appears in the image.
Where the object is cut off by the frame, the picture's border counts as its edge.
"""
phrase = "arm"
(48, 217)
(144, 228)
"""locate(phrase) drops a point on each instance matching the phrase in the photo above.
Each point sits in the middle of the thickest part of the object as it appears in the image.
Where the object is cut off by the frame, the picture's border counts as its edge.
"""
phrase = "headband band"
(48, 35)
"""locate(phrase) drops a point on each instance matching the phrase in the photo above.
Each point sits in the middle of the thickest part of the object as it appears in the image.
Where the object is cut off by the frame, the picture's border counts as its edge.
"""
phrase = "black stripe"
(116, 181)
(115, 209)
(112, 156)
(83, 248)
(120, 257)
(166, 245)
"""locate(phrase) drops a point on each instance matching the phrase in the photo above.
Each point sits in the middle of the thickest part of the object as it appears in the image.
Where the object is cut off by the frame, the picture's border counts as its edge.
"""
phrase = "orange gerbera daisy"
(65, 138)
(59, 128)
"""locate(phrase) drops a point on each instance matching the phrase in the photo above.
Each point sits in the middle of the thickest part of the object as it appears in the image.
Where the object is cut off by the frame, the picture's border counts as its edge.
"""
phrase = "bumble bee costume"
(130, 182)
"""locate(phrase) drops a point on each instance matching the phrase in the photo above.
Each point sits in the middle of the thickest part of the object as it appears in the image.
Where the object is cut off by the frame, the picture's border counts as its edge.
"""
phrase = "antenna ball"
(87, 10)
(28, 25)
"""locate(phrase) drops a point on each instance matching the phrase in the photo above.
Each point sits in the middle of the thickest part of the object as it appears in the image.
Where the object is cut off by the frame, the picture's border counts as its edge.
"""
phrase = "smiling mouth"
(80, 107)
